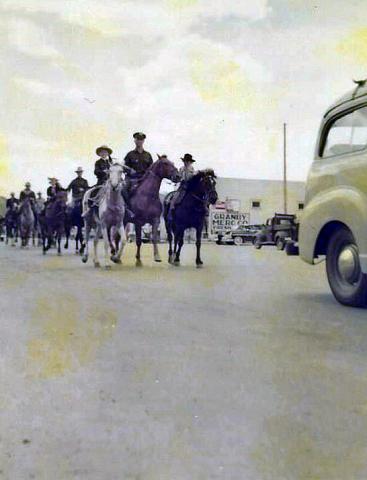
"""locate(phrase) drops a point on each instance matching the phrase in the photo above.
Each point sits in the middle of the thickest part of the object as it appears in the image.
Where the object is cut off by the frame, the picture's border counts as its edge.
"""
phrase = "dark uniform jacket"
(140, 162)
(27, 193)
(11, 202)
(78, 187)
(100, 169)
(52, 190)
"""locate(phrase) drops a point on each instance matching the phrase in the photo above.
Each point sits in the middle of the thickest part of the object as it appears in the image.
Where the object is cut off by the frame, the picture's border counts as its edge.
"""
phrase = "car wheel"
(257, 244)
(238, 241)
(346, 280)
(280, 243)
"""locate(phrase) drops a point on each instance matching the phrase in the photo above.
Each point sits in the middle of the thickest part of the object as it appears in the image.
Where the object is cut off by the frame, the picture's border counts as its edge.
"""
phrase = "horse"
(189, 213)
(26, 220)
(109, 221)
(11, 225)
(74, 219)
(53, 221)
(38, 210)
(145, 203)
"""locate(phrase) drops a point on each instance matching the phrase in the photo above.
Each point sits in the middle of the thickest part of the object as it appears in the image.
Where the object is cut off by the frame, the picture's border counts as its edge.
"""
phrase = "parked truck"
(276, 231)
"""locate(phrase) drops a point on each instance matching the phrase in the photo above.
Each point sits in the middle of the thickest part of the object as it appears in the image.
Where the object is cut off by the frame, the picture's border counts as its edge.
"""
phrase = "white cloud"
(30, 39)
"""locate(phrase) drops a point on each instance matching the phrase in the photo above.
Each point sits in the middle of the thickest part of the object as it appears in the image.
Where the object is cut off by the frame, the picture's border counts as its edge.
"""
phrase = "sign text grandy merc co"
(222, 221)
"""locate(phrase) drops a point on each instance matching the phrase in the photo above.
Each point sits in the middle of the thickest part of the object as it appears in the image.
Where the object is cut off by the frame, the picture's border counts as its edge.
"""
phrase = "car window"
(347, 134)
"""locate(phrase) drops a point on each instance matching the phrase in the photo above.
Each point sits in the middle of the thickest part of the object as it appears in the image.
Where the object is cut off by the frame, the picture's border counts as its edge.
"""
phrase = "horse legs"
(107, 247)
(95, 247)
(122, 233)
(155, 225)
(86, 245)
(199, 231)
(169, 238)
(59, 243)
(179, 240)
(138, 244)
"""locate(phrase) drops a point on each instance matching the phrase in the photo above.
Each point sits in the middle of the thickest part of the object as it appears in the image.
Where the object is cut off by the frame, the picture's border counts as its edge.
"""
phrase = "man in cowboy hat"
(186, 172)
(27, 193)
(53, 188)
(78, 186)
(103, 164)
(137, 161)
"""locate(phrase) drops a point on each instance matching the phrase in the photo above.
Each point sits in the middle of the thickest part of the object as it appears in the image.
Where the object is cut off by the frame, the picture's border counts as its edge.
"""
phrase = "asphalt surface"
(245, 369)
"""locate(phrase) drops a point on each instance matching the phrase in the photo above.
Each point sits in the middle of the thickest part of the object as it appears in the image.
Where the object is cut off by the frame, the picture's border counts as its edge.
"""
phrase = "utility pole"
(285, 192)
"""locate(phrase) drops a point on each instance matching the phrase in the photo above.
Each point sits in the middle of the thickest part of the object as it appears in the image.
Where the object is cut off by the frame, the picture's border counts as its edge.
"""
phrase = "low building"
(259, 199)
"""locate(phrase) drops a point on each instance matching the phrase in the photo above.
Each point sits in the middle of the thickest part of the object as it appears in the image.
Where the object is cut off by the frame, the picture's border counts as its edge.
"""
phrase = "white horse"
(109, 221)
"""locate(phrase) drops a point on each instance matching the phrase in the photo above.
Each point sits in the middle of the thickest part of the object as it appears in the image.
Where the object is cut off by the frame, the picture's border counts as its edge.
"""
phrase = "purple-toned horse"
(145, 203)
(26, 221)
(11, 225)
(53, 222)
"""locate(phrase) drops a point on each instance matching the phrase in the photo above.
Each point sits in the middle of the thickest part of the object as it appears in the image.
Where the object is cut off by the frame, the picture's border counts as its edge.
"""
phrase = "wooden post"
(285, 192)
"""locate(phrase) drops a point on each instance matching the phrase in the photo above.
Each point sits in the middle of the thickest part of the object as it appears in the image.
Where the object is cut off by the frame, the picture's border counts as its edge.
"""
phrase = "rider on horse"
(101, 169)
(27, 193)
(53, 189)
(12, 202)
(137, 162)
(187, 171)
(78, 187)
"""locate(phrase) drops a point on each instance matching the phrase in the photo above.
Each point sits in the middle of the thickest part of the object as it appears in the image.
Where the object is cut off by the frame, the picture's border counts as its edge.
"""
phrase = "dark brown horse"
(53, 222)
(190, 213)
(145, 203)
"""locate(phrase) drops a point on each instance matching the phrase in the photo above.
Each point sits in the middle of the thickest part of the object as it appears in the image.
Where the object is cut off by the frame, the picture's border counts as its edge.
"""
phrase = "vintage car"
(239, 235)
(334, 221)
(276, 231)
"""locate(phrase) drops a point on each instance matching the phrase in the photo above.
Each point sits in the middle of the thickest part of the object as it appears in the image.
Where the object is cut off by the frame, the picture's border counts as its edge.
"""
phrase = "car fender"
(341, 204)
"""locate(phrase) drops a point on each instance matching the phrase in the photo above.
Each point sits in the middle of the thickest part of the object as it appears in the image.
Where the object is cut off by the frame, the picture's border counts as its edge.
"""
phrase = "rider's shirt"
(100, 169)
(27, 194)
(53, 189)
(138, 161)
(78, 187)
(186, 172)
(11, 202)
(40, 202)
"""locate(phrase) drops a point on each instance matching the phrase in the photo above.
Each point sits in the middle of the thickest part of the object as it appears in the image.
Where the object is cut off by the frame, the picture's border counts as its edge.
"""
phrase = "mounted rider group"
(138, 203)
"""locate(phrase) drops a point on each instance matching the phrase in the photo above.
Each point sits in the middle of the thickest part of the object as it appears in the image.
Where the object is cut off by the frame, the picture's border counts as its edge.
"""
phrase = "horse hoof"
(85, 259)
(97, 264)
(138, 263)
(59, 254)
(157, 258)
(115, 259)
(107, 267)
(199, 265)
(176, 263)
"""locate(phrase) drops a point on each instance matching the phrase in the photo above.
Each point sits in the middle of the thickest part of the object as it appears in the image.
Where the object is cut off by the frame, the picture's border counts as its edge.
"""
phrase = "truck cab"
(334, 221)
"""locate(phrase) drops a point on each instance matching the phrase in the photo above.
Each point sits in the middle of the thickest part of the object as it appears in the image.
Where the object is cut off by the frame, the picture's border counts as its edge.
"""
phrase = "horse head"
(164, 168)
(203, 183)
(114, 177)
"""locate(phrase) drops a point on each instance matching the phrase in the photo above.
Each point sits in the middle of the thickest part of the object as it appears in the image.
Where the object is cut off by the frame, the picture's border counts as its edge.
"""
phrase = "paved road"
(246, 369)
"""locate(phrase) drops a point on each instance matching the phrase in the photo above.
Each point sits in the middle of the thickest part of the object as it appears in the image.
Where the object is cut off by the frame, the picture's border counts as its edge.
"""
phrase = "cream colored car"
(334, 220)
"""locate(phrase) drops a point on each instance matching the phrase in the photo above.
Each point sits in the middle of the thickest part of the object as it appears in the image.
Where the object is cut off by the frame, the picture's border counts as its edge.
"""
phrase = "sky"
(214, 78)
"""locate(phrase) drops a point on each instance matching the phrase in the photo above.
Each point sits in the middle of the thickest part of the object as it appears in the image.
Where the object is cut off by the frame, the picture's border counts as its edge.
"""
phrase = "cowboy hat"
(79, 169)
(139, 135)
(104, 147)
(53, 178)
(188, 158)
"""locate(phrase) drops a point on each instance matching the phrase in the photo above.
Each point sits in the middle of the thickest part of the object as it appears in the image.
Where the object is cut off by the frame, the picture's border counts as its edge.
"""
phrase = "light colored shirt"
(187, 172)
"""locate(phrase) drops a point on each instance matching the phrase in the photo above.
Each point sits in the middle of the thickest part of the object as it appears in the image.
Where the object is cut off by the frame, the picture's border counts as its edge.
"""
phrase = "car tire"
(280, 243)
(346, 280)
(257, 244)
(238, 241)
